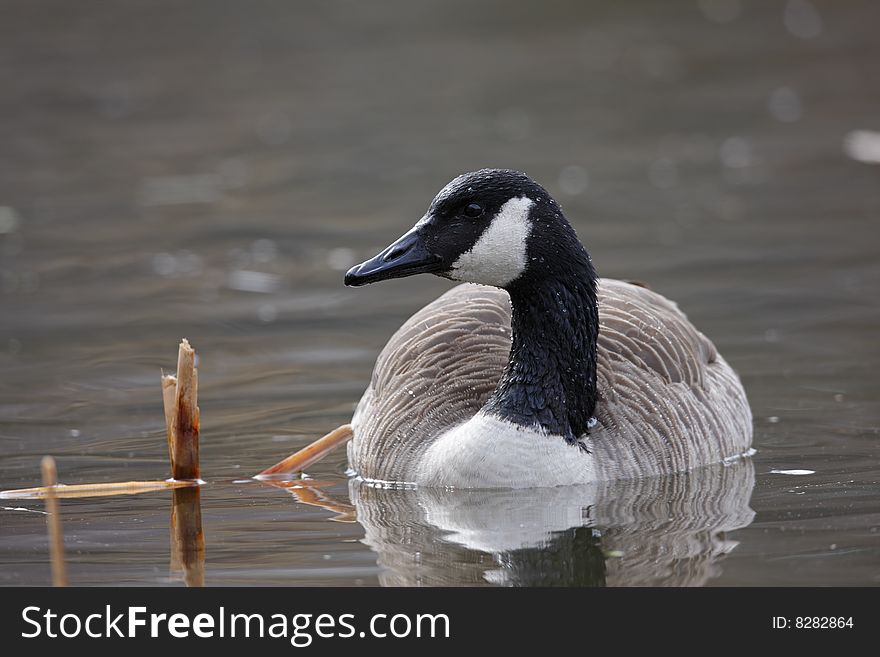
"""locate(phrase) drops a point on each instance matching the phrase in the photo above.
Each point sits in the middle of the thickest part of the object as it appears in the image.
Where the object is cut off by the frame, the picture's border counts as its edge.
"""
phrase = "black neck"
(550, 380)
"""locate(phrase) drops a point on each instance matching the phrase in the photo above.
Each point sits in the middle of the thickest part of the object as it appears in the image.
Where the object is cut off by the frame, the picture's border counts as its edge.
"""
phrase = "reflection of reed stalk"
(187, 537)
(310, 491)
(53, 520)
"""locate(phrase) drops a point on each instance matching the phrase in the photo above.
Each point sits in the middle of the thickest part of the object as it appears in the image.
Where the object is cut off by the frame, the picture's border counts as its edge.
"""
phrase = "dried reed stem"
(184, 433)
(169, 402)
(311, 453)
(61, 491)
(53, 520)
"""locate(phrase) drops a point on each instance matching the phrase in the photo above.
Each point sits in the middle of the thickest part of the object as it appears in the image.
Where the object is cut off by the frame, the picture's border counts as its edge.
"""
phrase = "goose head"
(493, 226)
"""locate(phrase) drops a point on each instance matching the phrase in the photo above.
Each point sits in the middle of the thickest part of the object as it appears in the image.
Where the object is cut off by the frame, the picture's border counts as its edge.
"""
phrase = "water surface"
(209, 170)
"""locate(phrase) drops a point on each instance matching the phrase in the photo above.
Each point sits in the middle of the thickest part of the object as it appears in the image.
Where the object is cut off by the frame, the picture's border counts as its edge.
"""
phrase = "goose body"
(535, 373)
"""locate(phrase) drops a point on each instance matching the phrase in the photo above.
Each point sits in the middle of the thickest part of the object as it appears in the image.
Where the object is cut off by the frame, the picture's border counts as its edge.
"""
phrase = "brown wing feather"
(668, 401)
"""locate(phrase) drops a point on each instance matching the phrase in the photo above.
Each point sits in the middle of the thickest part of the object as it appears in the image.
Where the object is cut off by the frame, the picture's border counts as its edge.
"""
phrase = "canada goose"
(541, 374)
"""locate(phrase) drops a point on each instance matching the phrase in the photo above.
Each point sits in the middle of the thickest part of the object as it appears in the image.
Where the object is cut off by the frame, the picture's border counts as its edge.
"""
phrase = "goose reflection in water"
(659, 531)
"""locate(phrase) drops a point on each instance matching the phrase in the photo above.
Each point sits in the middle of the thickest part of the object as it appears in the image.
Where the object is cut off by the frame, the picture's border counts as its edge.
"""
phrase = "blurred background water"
(210, 169)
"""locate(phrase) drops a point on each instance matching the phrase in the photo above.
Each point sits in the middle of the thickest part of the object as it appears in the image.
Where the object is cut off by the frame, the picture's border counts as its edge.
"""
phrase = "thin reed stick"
(311, 453)
(61, 491)
(53, 520)
(169, 402)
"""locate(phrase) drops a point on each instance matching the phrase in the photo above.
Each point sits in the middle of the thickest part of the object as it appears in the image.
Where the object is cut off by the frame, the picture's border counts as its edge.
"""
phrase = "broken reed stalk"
(53, 520)
(180, 398)
(311, 453)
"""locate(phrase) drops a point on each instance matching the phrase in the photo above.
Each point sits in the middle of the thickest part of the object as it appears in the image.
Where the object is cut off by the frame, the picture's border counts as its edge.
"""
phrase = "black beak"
(406, 257)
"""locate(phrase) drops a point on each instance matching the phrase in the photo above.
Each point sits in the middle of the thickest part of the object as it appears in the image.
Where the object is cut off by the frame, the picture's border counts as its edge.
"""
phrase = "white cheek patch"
(499, 256)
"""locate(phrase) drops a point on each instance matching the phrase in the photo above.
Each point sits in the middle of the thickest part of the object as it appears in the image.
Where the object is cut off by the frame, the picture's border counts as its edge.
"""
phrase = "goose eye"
(473, 210)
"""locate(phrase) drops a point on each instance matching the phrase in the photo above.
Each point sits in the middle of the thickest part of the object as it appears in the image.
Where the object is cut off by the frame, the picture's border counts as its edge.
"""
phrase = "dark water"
(209, 169)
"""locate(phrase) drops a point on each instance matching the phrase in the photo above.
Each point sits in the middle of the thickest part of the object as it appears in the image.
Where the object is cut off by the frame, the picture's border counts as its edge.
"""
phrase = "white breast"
(489, 452)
